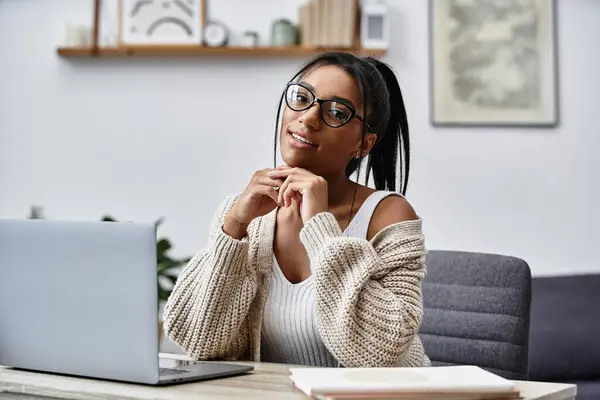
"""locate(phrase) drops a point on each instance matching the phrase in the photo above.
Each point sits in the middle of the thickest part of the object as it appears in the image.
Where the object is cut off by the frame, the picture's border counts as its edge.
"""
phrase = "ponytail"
(392, 143)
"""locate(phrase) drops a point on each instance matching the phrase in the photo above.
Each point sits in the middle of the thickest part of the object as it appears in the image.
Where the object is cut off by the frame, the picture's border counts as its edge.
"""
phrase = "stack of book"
(328, 23)
(437, 383)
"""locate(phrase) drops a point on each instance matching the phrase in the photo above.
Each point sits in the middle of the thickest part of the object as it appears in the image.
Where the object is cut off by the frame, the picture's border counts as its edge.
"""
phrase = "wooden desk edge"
(276, 387)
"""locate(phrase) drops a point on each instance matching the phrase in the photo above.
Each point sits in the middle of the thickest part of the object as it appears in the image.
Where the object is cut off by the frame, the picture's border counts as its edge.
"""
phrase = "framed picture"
(493, 62)
(161, 22)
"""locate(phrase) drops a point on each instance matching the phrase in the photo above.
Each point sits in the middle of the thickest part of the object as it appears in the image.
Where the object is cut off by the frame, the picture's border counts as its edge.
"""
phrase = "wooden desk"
(266, 382)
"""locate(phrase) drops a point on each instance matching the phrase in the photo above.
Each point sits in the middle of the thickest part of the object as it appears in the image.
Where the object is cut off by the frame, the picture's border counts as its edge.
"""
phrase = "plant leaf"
(164, 266)
(168, 264)
(162, 246)
(163, 294)
(171, 274)
(165, 286)
(36, 212)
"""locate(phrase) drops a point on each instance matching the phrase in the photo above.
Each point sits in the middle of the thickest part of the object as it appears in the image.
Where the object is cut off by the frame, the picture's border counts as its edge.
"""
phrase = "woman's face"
(329, 149)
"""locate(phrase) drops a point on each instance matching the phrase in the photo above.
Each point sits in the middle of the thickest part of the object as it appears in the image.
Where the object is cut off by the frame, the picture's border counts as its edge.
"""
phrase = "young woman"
(307, 266)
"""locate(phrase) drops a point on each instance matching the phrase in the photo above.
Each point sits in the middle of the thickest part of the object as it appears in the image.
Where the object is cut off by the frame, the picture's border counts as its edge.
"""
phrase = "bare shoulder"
(391, 210)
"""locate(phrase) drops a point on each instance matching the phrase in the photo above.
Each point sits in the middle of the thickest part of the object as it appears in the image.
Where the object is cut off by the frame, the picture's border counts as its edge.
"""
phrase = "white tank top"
(289, 327)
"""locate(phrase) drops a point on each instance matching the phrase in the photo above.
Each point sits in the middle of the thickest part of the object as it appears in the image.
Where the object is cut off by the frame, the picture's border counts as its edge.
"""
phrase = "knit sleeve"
(206, 313)
(368, 293)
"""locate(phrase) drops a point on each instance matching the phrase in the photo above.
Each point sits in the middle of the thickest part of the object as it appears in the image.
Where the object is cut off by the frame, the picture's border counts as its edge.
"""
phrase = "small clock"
(216, 34)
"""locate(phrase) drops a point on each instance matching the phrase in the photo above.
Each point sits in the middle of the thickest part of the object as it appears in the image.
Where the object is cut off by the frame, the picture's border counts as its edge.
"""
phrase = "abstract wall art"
(493, 62)
(161, 22)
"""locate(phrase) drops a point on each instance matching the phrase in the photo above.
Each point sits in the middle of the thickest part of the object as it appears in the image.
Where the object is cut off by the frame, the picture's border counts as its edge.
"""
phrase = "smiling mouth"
(302, 140)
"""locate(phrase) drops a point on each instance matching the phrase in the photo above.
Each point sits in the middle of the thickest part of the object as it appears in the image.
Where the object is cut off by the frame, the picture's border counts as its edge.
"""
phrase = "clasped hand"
(308, 189)
(270, 188)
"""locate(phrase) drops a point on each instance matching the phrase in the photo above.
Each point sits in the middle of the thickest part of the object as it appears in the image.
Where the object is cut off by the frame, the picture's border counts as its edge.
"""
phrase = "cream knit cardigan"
(367, 293)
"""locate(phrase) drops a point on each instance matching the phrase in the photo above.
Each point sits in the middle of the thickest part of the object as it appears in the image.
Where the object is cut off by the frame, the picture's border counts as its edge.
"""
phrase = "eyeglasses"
(334, 113)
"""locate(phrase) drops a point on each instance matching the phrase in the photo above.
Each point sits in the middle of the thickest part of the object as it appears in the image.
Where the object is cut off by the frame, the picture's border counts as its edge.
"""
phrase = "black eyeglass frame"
(320, 102)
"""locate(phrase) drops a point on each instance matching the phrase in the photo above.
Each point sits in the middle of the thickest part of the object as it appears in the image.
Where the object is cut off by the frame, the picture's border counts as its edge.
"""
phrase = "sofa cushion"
(476, 311)
(587, 390)
(564, 341)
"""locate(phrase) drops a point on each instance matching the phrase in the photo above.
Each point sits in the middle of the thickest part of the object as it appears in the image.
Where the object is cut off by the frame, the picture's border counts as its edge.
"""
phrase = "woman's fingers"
(268, 191)
(292, 191)
(292, 179)
(286, 172)
(300, 180)
(281, 191)
(288, 175)
(277, 173)
(269, 181)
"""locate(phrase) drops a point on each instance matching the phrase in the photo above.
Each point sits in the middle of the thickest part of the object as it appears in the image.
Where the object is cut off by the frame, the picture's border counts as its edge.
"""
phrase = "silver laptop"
(80, 298)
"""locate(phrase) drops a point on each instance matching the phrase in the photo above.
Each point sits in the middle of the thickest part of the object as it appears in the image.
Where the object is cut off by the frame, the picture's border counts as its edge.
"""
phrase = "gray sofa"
(564, 340)
(476, 311)
(485, 309)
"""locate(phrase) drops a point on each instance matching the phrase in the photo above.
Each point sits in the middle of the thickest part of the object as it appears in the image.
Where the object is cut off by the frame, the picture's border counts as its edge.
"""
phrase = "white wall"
(144, 138)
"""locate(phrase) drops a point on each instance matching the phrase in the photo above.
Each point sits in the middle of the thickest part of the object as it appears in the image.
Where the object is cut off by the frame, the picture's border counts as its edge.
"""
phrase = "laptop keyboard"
(171, 371)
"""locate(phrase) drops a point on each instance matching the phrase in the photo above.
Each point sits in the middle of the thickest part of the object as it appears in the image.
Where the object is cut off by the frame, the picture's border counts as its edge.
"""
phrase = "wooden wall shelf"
(200, 51)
